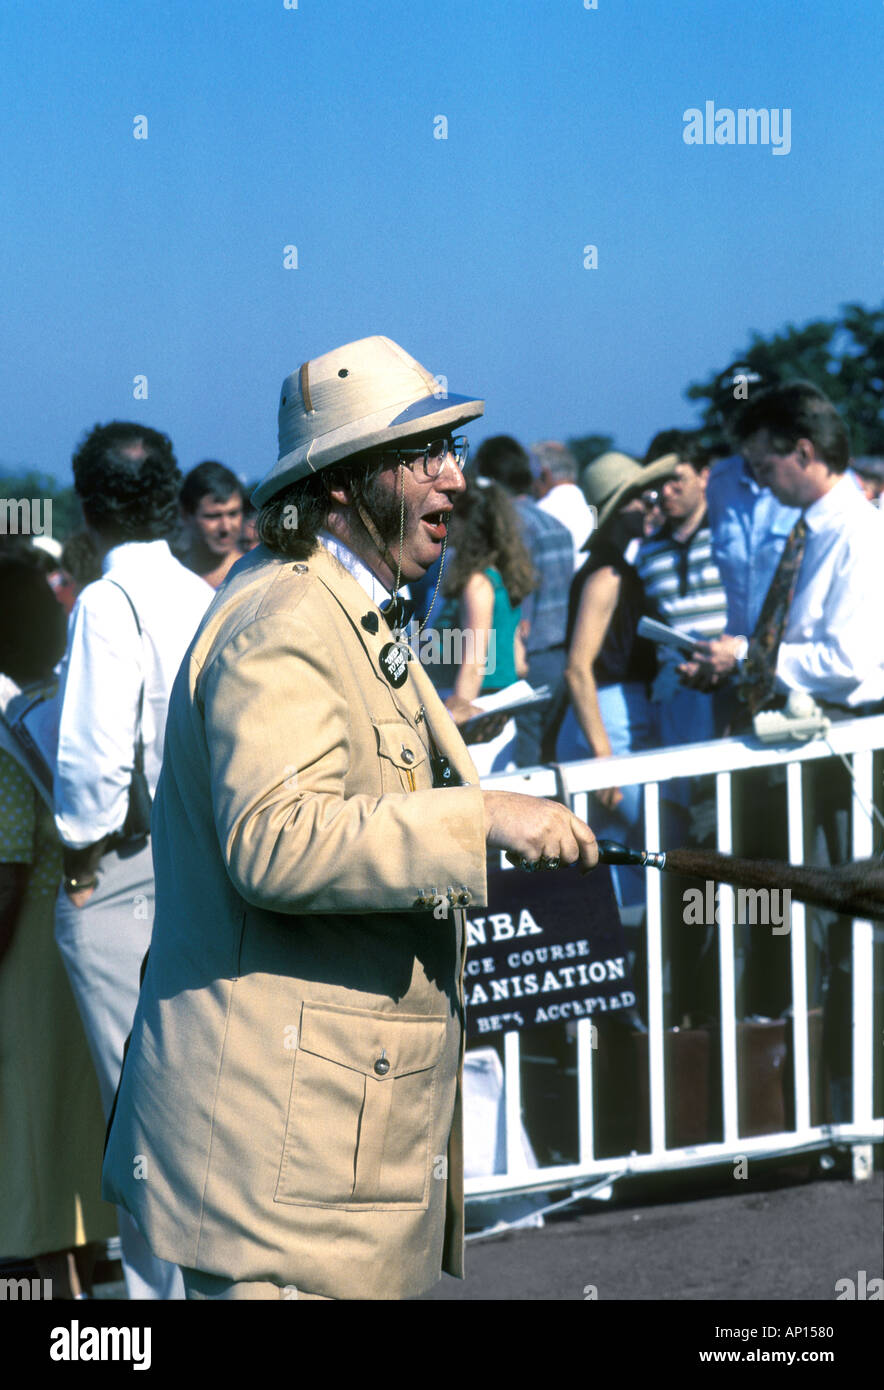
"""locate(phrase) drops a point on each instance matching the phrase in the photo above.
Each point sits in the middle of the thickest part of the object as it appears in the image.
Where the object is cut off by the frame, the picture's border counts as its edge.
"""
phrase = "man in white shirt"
(128, 633)
(832, 642)
(555, 486)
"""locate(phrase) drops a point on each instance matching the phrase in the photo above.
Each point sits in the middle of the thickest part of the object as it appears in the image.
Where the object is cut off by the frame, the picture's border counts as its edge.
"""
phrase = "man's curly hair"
(290, 521)
(128, 496)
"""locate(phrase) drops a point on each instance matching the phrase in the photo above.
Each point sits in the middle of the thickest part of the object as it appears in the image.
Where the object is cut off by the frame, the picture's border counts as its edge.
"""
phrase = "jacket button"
(382, 1066)
(407, 755)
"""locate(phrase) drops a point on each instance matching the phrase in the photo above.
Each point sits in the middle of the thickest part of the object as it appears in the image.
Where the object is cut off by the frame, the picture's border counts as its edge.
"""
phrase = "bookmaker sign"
(549, 949)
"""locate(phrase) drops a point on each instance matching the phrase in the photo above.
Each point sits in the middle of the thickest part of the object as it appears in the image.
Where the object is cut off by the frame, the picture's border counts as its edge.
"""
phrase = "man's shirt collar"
(356, 566)
(748, 478)
(666, 532)
(141, 553)
(834, 503)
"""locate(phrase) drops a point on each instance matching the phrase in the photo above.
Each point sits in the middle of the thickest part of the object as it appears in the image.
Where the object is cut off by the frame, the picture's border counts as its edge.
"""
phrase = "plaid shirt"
(552, 553)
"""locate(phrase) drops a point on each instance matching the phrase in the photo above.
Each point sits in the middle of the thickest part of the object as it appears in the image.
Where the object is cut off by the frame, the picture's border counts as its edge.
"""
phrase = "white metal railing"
(856, 739)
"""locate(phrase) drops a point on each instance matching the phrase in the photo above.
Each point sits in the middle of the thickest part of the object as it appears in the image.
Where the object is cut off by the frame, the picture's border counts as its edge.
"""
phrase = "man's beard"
(384, 509)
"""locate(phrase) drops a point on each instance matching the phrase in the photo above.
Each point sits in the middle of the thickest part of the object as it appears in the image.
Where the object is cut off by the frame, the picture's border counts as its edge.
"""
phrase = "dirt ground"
(775, 1240)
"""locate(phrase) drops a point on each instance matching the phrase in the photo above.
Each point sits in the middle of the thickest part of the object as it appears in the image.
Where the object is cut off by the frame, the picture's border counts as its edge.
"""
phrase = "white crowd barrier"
(858, 740)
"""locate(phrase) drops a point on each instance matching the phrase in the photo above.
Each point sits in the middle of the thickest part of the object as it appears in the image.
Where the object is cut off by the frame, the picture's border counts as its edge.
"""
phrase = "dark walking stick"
(854, 890)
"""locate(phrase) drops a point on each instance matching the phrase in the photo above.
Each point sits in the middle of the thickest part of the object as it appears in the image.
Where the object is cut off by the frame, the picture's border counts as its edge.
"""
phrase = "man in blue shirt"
(749, 529)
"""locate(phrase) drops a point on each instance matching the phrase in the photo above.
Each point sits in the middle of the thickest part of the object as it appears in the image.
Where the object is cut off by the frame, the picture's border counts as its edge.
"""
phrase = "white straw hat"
(360, 396)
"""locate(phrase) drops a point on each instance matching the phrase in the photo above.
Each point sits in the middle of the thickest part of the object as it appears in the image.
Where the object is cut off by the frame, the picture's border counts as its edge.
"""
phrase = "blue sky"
(314, 127)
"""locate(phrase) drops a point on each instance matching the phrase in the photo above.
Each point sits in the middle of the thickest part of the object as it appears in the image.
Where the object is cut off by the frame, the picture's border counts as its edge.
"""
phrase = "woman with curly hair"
(490, 575)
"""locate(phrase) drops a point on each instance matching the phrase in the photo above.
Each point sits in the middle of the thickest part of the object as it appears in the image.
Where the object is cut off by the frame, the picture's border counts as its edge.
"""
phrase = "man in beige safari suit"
(288, 1122)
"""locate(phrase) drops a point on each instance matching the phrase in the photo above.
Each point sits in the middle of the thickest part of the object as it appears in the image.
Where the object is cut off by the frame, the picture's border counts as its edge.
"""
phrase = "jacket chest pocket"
(362, 1110)
(403, 757)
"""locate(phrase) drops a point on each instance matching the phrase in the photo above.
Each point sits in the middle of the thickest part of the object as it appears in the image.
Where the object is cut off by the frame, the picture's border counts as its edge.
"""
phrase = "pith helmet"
(356, 397)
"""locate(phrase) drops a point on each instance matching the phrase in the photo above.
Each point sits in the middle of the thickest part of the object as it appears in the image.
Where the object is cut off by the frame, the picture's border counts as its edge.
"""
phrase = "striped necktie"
(759, 670)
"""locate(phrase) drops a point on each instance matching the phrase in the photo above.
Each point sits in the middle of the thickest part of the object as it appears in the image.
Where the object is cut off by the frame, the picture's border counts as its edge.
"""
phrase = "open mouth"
(437, 524)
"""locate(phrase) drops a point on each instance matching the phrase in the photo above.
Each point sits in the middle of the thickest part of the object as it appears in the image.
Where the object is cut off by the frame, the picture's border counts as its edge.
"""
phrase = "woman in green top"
(490, 576)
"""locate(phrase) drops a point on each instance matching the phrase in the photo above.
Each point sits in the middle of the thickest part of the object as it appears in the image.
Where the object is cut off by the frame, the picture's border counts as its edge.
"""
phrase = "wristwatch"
(73, 885)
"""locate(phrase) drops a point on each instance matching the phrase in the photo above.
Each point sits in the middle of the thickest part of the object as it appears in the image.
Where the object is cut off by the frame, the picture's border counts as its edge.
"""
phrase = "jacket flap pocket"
(400, 743)
(378, 1044)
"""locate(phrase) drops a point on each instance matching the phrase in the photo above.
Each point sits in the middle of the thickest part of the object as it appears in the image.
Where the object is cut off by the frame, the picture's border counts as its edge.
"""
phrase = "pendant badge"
(393, 662)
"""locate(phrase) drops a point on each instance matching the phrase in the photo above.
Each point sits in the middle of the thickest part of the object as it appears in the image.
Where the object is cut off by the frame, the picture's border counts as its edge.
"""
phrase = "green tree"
(844, 357)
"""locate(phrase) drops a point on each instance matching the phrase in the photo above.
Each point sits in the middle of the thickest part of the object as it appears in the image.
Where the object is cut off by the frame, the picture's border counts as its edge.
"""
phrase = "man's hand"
(697, 675)
(81, 896)
(492, 724)
(712, 661)
(461, 710)
(536, 829)
(82, 864)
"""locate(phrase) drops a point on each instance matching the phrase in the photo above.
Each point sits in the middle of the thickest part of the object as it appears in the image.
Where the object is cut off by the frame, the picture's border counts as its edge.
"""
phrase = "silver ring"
(550, 863)
(529, 865)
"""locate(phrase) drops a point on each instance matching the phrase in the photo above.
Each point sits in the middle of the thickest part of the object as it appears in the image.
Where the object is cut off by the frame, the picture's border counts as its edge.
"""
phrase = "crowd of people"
(689, 539)
(714, 548)
(770, 560)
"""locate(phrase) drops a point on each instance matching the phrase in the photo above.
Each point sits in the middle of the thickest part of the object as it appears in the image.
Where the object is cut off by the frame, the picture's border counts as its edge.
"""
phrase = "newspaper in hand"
(512, 699)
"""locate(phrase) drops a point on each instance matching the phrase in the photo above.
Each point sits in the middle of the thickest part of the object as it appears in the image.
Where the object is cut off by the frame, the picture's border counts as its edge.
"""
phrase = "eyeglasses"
(433, 455)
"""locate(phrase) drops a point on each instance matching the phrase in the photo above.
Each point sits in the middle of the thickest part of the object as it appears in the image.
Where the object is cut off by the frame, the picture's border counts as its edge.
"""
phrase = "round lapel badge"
(393, 662)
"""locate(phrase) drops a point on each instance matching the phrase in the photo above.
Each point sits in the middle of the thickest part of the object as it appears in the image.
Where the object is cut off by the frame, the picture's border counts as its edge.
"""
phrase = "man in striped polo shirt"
(681, 578)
